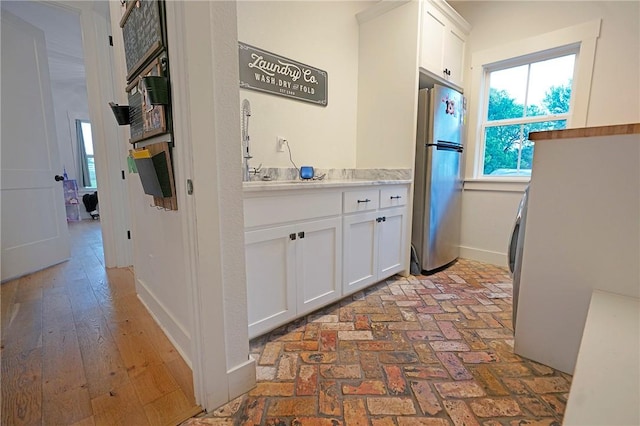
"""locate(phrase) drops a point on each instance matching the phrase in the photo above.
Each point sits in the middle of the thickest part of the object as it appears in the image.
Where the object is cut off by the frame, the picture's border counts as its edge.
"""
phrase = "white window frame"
(512, 63)
(94, 181)
(584, 36)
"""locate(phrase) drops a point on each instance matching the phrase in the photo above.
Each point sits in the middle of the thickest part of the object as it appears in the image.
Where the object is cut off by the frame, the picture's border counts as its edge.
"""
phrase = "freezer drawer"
(443, 199)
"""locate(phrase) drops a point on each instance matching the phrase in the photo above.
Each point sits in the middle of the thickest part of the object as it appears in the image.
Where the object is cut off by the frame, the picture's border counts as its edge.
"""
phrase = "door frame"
(202, 43)
(108, 138)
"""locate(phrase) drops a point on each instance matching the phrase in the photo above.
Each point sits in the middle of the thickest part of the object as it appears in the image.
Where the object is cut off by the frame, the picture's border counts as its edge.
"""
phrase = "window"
(579, 40)
(532, 93)
(86, 161)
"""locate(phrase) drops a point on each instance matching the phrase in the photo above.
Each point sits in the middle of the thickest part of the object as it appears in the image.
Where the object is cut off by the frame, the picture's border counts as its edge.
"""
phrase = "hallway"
(78, 347)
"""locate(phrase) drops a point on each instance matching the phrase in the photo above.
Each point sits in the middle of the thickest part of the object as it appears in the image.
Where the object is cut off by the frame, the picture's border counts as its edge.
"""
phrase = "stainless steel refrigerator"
(437, 180)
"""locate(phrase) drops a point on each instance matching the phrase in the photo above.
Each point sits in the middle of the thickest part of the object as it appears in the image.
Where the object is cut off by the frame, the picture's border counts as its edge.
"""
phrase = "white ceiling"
(63, 36)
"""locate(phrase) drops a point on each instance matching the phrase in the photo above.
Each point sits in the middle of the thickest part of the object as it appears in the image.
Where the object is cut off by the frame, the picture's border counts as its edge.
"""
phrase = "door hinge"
(128, 235)
(110, 40)
(122, 174)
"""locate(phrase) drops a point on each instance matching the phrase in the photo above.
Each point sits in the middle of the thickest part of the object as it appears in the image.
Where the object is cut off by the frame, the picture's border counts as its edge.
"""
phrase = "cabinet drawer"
(361, 200)
(393, 196)
(288, 208)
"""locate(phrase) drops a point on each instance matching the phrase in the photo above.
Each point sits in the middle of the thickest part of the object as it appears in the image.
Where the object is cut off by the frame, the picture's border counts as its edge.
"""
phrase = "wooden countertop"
(586, 132)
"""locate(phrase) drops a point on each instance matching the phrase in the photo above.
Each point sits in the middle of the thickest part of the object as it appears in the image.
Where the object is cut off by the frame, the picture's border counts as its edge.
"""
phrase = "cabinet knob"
(364, 201)
(384, 218)
(292, 236)
(301, 234)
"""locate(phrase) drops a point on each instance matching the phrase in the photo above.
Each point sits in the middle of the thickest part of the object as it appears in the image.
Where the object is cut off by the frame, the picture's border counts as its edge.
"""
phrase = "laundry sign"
(267, 72)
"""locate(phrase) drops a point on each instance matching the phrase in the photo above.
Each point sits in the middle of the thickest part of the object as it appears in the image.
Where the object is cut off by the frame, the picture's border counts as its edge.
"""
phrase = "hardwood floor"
(79, 348)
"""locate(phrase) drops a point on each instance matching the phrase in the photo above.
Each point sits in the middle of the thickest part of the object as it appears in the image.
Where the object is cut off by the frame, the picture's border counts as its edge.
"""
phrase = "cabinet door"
(270, 266)
(392, 247)
(360, 251)
(453, 55)
(432, 39)
(319, 264)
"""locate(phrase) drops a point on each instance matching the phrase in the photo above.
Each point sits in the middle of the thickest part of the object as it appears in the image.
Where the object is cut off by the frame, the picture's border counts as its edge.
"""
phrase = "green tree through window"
(502, 143)
(525, 98)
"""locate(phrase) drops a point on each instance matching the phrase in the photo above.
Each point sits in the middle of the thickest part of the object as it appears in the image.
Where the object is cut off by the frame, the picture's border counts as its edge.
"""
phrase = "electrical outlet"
(280, 143)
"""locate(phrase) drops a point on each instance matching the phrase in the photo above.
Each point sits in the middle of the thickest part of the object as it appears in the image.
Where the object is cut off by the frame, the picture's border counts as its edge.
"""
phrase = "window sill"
(497, 184)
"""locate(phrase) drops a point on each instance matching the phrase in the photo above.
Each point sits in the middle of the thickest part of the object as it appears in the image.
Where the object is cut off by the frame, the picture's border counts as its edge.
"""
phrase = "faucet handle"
(255, 170)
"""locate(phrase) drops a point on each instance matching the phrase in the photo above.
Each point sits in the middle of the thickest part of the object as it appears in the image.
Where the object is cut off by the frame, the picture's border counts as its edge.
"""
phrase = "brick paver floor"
(423, 350)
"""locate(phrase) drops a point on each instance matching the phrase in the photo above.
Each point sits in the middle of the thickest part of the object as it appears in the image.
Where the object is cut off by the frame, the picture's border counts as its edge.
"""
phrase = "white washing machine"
(515, 250)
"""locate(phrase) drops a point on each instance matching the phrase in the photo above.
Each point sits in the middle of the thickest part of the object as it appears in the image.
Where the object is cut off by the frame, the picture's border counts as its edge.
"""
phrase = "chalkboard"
(142, 33)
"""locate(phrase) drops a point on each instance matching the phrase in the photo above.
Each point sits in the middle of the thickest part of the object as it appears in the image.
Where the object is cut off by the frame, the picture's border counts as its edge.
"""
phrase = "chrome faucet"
(246, 152)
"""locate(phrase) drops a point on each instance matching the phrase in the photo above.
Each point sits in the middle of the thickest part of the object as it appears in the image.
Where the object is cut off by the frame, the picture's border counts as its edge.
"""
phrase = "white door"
(432, 39)
(34, 228)
(391, 242)
(453, 58)
(360, 251)
(270, 257)
(319, 261)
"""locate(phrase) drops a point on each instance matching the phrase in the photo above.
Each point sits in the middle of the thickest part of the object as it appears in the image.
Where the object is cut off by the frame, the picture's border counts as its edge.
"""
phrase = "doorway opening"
(66, 65)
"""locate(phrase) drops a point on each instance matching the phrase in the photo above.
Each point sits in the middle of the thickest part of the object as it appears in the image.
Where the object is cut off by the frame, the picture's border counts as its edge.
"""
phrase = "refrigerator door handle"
(441, 142)
(447, 146)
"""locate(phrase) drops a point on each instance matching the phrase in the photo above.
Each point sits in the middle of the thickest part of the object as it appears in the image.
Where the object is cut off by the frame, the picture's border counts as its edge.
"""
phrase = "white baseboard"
(486, 256)
(175, 332)
(242, 378)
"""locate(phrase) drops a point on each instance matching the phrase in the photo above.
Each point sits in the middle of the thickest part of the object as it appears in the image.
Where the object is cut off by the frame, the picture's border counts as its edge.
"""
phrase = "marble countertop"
(279, 185)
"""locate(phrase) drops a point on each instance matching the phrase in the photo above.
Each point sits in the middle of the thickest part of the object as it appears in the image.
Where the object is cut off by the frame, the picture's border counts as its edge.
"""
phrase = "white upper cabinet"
(442, 42)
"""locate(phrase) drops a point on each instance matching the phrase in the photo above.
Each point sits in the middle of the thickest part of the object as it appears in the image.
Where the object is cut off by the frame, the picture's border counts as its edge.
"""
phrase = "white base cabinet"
(374, 247)
(318, 264)
(291, 270)
(392, 244)
(271, 267)
(375, 235)
(360, 251)
(308, 248)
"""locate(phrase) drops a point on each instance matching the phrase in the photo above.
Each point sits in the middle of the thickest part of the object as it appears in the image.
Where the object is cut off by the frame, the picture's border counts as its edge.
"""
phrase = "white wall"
(487, 215)
(189, 263)
(157, 236)
(387, 95)
(320, 34)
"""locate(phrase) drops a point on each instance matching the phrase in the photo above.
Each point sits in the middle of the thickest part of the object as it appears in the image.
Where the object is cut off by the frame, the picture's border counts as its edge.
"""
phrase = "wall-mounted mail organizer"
(154, 166)
(149, 102)
(144, 32)
(148, 112)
